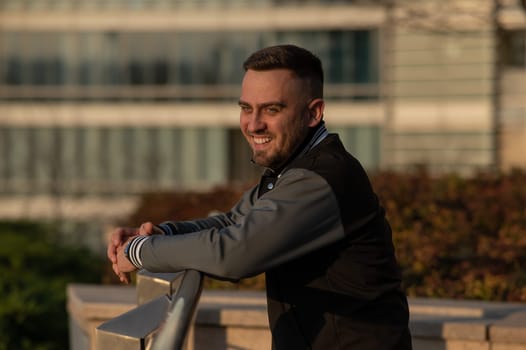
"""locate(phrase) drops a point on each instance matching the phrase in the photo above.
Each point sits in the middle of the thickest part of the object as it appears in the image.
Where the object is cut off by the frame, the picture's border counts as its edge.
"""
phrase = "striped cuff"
(168, 228)
(134, 250)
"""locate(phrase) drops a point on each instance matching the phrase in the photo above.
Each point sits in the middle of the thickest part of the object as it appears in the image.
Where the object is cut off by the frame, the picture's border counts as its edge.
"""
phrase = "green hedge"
(456, 237)
(35, 269)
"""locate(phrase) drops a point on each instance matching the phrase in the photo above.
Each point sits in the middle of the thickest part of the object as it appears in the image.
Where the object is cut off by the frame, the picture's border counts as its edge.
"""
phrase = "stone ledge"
(510, 329)
(444, 328)
(235, 317)
(87, 301)
(220, 308)
(90, 305)
(462, 308)
(466, 320)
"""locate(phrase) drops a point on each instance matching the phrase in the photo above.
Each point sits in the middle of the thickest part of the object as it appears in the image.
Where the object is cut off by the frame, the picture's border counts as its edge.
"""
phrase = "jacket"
(318, 232)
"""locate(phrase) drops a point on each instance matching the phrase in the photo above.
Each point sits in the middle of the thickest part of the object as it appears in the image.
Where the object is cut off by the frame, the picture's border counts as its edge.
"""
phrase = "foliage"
(455, 237)
(35, 270)
(184, 205)
(459, 237)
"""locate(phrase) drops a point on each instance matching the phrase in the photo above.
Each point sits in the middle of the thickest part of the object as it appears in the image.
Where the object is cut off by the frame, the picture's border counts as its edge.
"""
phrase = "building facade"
(100, 100)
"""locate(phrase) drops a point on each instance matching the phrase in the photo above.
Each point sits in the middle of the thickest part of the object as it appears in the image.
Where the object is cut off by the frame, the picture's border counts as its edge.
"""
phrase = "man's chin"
(261, 160)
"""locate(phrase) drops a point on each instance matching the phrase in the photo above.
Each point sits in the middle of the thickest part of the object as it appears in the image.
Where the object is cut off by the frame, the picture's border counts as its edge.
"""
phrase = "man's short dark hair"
(302, 62)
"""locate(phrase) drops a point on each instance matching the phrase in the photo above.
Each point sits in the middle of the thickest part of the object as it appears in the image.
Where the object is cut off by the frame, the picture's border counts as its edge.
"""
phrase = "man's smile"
(260, 140)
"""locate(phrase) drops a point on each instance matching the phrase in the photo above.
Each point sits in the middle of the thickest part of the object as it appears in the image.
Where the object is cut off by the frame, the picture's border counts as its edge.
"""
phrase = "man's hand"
(123, 266)
(118, 238)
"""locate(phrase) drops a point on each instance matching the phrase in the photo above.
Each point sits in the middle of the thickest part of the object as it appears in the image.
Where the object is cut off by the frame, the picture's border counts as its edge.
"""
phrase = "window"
(170, 66)
(513, 48)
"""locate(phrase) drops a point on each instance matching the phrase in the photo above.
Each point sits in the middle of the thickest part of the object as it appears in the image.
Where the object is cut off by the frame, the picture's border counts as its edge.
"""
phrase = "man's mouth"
(261, 140)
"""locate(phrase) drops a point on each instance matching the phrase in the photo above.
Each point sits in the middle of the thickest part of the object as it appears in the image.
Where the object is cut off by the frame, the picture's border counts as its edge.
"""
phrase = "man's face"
(275, 114)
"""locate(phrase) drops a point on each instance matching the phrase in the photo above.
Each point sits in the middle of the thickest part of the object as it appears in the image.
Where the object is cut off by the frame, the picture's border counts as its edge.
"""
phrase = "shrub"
(458, 237)
(35, 270)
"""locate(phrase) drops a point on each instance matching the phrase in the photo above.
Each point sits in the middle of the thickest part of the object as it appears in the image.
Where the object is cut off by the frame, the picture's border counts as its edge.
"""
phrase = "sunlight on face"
(274, 116)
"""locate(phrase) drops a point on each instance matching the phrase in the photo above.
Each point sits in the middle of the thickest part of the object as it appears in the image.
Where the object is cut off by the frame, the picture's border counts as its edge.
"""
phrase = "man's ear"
(316, 108)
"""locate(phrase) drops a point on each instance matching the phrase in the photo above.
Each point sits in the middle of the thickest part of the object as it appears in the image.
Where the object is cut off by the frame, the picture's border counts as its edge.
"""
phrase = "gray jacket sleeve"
(297, 217)
(218, 221)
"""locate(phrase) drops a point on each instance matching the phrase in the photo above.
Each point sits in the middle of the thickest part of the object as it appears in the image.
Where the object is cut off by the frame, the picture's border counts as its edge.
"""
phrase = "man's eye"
(272, 110)
(245, 109)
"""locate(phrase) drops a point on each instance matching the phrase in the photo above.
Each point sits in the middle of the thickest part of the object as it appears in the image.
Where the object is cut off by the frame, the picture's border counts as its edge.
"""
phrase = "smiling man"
(277, 112)
(313, 224)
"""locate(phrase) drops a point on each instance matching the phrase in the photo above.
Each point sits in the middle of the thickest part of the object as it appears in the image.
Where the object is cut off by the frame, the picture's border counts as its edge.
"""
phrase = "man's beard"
(271, 162)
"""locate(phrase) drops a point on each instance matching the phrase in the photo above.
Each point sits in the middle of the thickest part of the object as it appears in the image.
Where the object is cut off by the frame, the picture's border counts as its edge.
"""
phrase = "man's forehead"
(275, 85)
(270, 74)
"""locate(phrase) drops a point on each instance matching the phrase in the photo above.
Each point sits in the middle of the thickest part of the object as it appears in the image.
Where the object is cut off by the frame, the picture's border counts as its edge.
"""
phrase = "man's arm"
(171, 228)
(299, 216)
(122, 238)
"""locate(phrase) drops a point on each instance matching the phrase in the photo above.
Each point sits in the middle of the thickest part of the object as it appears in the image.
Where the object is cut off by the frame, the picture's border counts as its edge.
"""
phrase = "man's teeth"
(261, 140)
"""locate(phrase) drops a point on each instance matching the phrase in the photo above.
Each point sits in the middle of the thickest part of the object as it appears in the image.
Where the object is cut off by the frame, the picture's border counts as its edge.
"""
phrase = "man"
(313, 224)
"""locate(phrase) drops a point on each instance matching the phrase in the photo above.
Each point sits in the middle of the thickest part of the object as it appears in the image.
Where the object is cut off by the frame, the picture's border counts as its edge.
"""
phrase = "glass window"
(173, 66)
(513, 48)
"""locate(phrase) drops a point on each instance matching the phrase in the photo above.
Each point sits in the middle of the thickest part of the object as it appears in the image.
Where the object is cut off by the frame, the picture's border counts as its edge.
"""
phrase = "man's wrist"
(132, 250)
(127, 250)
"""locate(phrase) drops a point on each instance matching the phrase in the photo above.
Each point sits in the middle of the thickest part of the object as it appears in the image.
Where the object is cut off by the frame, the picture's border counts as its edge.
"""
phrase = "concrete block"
(152, 285)
(434, 344)
(510, 329)
(232, 320)
(449, 328)
(213, 337)
(90, 305)
(504, 346)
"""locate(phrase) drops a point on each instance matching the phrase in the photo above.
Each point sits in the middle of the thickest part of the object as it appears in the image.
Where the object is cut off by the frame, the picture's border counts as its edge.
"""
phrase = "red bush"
(459, 237)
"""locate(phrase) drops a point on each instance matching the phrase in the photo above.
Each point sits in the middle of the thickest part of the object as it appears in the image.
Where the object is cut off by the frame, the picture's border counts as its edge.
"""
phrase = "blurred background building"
(103, 100)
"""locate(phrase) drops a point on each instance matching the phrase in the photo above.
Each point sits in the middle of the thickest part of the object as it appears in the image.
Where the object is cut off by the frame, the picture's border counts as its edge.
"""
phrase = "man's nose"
(256, 122)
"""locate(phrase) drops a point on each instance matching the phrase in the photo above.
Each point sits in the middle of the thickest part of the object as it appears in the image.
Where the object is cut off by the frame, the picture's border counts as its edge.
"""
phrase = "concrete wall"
(238, 320)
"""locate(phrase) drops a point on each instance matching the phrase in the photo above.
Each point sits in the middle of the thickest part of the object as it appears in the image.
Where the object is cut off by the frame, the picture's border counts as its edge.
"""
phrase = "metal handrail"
(172, 333)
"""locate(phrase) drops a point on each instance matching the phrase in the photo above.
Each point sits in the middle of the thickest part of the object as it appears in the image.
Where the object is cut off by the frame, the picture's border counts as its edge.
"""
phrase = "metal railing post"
(181, 312)
(162, 322)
